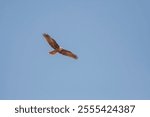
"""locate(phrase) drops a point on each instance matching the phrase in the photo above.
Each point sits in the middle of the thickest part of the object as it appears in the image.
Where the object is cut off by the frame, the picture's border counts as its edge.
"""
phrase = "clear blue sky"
(110, 37)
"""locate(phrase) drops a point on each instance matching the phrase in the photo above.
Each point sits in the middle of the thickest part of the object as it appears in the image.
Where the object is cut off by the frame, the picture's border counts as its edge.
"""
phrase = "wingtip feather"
(45, 34)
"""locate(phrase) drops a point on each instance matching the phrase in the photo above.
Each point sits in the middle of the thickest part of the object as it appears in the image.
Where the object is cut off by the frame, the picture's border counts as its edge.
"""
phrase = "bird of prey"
(57, 48)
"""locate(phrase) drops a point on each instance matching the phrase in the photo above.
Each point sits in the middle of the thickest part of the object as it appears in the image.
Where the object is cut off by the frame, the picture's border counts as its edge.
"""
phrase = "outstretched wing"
(51, 41)
(68, 53)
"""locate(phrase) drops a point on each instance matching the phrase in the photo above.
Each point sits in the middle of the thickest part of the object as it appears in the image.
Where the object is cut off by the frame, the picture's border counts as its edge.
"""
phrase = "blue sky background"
(110, 37)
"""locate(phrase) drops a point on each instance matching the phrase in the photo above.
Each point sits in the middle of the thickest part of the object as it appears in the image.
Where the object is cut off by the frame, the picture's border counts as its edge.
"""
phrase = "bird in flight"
(57, 48)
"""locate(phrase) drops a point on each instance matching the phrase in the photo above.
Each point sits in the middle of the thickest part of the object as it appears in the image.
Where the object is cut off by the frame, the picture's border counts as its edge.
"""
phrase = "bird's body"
(57, 48)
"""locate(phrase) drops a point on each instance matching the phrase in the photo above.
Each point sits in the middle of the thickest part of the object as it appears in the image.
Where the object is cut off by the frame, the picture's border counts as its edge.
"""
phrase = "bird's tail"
(53, 52)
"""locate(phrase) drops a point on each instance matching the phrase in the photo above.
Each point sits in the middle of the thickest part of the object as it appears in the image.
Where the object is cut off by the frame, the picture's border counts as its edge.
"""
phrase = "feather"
(68, 53)
(51, 41)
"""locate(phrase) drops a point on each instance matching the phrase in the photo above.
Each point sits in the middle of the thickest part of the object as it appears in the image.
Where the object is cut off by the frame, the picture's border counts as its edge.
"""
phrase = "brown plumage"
(57, 48)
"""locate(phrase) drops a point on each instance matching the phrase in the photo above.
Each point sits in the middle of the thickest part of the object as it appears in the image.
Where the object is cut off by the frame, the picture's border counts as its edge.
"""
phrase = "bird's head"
(60, 48)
